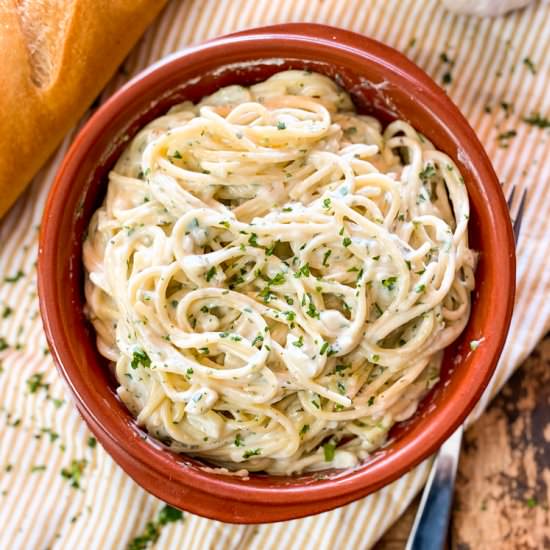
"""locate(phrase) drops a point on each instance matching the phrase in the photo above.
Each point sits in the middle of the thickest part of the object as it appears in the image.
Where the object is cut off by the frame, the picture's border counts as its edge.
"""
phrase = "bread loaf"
(56, 56)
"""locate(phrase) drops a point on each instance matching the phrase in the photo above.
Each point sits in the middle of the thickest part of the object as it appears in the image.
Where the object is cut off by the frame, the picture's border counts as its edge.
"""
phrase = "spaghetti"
(275, 277)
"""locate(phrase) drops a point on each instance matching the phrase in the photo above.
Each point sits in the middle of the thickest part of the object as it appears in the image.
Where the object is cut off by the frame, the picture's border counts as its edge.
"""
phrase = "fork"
(431, 523)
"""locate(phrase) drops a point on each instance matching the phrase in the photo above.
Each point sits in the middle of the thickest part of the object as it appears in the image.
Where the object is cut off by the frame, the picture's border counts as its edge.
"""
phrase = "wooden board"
(503, 484)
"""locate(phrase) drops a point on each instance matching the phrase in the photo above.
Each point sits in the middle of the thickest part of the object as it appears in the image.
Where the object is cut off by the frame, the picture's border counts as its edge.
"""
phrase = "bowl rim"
(443, 424)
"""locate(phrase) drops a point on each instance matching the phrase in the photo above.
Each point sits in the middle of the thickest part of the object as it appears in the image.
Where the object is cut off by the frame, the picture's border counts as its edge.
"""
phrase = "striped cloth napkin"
(58, 489)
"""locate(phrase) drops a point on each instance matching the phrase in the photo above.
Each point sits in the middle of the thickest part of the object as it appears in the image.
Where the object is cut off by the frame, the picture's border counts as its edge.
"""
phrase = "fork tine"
(510, 198)
(519, 215)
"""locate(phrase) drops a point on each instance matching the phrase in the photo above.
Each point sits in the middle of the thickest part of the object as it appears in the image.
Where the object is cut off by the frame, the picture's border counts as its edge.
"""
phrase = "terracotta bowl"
(382, 82)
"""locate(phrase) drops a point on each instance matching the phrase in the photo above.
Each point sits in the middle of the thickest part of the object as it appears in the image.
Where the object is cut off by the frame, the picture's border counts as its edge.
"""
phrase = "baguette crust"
(56, 56)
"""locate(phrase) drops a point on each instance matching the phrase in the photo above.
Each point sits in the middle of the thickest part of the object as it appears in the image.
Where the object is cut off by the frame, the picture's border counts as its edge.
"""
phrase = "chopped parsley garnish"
(536, 119)
(167, 514)
(253, 240)
(74, 473)
(326, 256)
(312, 310)
(341, 368)
(14, 278)
(189, 372)
(53, 435)
(327, 203)
(38, 468)
(389, 283)
(290, 315)
(278, 279)
(151, 534)
(507, 135)
(420, 288)
(530, 65)
(341, 388)
(251, 452)
(237, 281)
(3, 344)
(177, 155)
(370, 402)
(375, 358)
(289, 300)
(238, 440)
(346, 242)
(447, 78)
(210, 274)
(140, 357)
(531, 502)
(258, 340)
(324, 347)
(299, 343)
(302, 272)
(507, 107)
(35, 383)
(271, 249)
(504, 138)
(204, 351)
(266, 294)
(281, 125)
(329, 451)
(92, 442)
(7, 312)
(427, 173)
(304, 430)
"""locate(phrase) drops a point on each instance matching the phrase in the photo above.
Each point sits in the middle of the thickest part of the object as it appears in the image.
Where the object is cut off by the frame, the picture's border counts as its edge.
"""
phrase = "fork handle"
(429, 531)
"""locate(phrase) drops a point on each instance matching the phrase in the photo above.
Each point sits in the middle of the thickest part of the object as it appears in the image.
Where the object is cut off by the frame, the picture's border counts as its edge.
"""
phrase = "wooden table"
(503, 484)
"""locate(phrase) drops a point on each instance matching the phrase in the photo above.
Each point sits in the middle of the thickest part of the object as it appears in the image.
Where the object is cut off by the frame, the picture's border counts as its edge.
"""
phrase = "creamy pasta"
(275, 277)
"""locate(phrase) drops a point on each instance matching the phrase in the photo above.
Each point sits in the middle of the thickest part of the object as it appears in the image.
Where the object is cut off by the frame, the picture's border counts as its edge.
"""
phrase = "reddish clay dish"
(382, 82)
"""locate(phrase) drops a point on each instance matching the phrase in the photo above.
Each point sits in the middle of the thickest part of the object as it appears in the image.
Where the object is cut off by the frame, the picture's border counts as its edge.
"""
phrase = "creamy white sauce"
(275, 276)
